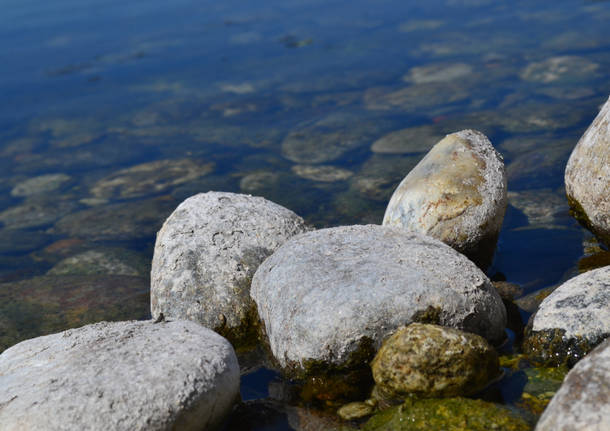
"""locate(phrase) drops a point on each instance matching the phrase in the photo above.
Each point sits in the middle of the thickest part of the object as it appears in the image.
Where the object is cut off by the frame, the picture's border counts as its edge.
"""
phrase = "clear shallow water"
(245, 97)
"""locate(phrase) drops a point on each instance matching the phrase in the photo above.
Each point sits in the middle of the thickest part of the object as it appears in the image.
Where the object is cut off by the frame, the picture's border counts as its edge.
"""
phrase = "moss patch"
(452, 414)
(551, 347)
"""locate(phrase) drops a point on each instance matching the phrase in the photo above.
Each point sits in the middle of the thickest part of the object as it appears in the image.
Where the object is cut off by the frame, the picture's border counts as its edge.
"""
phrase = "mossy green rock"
(454, 414)
(434, 361)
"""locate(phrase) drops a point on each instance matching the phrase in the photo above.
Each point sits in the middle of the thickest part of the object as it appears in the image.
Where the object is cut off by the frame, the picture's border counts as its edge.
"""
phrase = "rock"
(117, 222)
(434, 361)
(430, 414)
(587, 177)
(583, 400)
(457, 194)
(39, 185)
(544, 208)
(37, 211)
(149, 178)
(327, 174)
(330, 138)
(410, 140)
(14, 241)
(110, 261)
(259, 181)
(415, 98)
(572, 320)
(206, 254)
(441, 72)
(566, 69)
(356, 410)
(331, 296)
(120, 376)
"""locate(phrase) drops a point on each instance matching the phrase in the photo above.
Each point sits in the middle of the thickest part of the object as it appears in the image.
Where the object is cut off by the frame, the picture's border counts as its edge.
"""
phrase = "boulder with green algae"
(434, 361)
(451, 414)
(456, 194)
(572, 320)
(587, 177)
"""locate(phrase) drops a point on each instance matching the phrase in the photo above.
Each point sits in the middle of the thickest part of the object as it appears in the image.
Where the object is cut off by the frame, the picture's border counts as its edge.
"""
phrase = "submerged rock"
(326, 174)
(110, 261)
(120, 376)
(456, 194)
(441, 72)
(572, 320)
(583, 400)
(434, 361)
(37, 211)
(455, 414)
(206, 254)
(564, 69)
(587, 177)
(39, 185)
(331, 296)
(410, 140)
(149, 178)
(430, 95)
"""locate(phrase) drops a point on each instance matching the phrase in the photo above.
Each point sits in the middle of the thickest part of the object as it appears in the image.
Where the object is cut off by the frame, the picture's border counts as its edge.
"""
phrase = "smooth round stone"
(331, 296)
(149, 178)
(441, 72)
(120, 376)
(572, 320)
(564, 69)
(36, 211)
(583, 400)
(39, 185)
(356, 410)
(434, 361)
(326, 174)
(415, 97)
(206, 254)
(410, 140)
(587, 177)
(110, 261)
(457, 194)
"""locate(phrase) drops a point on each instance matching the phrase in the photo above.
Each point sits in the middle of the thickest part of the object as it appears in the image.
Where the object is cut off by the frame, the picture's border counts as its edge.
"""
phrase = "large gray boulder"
(119, 376)
(457, 194)
(588, 177)
(583, 401)
(572, 320)
(206, 254)
(331, 296)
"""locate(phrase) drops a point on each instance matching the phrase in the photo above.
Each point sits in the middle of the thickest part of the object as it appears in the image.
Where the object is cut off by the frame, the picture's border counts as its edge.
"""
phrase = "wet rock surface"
(456, 194)
(587, 177)
(149, 178)
(445, 414)
(206, 254)
(122, 375)
(572, 320)
(434, 361)
(331, 296)
(583, 400)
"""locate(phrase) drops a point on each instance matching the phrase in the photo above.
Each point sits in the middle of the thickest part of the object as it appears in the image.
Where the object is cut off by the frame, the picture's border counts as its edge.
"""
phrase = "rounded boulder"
(206, 254)
(456, 194)
(587, 177)
(331, 296)
(434, 361)
(134, 375)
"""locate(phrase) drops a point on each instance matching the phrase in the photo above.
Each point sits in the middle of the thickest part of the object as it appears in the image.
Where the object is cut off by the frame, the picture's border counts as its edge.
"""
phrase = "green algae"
(430, 315)
(551, 348)
(451, 414)
(579, 213)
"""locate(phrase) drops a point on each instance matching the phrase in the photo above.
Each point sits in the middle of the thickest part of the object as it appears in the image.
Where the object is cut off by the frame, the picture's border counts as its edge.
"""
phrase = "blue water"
(92, 87)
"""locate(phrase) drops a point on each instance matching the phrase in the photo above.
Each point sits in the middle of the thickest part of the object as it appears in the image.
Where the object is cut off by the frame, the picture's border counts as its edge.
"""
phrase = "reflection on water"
(113, 112)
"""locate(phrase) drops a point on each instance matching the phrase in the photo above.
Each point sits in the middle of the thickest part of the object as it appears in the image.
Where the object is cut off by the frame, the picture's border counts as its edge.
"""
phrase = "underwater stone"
(206, 254)
(120, 376)
(434, 361)
(583, 400)
(410, 140)
(565, 69)
(40, 184)
(572, 320)
(457, 194)
(327, 174)
(587, 177)
(331, 296)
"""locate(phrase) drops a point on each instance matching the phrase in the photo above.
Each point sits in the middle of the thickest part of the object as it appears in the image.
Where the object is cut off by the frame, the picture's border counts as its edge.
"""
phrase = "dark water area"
(114, 112)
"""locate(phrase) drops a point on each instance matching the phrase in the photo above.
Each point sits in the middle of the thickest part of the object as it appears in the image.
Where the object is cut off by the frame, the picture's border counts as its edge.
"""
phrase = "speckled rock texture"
(206, 254)
(572, 320)
(587, 177)
(331, 296)
(583, 401)
(434, 361)
(128, 376)
(457, 194)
